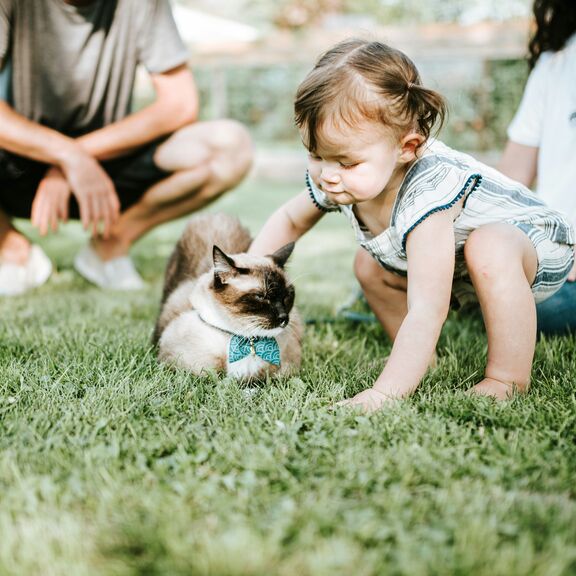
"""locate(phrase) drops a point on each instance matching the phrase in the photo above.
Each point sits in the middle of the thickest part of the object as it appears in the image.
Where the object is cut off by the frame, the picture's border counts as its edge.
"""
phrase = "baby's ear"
(411, 143)
(223, 265)
(281, 255)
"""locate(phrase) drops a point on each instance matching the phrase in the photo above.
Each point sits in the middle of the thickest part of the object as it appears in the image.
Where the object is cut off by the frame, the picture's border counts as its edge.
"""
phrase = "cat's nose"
(283, 320)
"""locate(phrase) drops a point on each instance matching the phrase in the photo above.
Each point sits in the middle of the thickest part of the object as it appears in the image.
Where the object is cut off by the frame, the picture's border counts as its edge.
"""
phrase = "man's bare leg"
(14, 246)
(206, 159)
(22, 266)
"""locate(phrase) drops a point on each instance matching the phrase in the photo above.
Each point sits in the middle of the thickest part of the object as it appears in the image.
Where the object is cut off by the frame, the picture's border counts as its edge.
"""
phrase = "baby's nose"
(330, 174)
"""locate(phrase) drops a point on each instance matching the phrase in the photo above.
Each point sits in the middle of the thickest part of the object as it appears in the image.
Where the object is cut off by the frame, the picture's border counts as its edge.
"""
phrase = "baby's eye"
(350, 165)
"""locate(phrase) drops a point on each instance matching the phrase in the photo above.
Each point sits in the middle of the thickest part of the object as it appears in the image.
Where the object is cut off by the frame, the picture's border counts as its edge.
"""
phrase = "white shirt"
(546, 119)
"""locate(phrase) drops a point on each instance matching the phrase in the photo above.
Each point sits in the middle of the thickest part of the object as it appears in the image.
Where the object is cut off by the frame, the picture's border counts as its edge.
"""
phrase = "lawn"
(111, 464)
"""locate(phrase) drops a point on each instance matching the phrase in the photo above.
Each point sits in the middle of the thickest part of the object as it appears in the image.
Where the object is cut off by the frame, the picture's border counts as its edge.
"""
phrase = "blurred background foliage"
(295, 14)
(483, 89)
(262, 97)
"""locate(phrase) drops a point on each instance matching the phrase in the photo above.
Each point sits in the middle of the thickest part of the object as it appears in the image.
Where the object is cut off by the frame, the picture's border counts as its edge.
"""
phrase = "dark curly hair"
(555, 23)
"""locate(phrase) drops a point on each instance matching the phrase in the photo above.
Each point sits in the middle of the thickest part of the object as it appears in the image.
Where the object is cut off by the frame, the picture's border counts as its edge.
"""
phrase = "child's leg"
(384, 291)
(502, 263)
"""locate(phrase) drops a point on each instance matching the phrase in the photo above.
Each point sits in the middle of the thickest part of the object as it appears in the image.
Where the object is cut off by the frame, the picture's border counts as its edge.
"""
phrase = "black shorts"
(132, 175)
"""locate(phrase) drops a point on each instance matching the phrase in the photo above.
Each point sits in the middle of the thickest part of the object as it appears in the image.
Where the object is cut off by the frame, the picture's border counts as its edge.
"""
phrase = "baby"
(432, 223)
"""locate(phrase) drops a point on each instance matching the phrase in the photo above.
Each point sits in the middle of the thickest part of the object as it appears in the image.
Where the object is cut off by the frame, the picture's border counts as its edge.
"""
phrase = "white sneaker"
(115, 274)
(16, 279)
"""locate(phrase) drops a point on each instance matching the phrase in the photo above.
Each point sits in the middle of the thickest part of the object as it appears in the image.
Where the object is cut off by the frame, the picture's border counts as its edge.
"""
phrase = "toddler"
(433, 224)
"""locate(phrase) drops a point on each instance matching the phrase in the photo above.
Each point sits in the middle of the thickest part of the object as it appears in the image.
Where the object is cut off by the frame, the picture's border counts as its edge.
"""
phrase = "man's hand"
(50, 204)
(369, 400)
(94, 191)
(572, 273)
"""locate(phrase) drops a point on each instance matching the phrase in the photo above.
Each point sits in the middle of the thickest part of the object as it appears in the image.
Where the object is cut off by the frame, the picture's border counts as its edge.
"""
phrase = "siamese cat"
(225, 310)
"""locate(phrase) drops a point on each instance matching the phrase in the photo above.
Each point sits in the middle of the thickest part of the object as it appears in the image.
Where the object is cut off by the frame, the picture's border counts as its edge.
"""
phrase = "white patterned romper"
(436, 181)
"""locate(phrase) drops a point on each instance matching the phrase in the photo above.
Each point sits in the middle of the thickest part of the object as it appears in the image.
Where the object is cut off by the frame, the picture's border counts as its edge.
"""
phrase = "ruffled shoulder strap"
(434, 183)
(321, 201)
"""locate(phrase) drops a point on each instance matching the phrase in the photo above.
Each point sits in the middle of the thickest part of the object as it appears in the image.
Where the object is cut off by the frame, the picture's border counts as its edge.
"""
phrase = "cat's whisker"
(291, 282)
(252, 328)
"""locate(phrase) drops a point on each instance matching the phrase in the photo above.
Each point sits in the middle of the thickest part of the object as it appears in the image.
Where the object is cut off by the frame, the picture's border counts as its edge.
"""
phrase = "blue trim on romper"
(313, 198)
(478, 178)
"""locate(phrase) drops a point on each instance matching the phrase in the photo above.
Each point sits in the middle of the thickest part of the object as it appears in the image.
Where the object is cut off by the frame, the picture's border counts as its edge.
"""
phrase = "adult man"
(69, 144)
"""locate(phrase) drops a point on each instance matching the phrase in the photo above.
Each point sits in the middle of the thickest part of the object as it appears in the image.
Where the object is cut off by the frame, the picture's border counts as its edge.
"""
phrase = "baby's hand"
(368, 401)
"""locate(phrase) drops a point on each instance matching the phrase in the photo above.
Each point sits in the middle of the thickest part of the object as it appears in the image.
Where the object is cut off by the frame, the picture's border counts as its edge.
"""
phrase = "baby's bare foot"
(494, 388)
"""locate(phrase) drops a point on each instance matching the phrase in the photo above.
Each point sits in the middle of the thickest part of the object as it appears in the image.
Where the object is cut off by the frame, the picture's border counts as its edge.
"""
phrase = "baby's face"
(353, 165)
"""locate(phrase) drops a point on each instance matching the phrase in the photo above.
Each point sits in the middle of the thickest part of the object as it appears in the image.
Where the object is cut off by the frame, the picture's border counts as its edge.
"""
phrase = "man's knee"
(233, 150)
(227, 141)
(230, 136)
(224, 146)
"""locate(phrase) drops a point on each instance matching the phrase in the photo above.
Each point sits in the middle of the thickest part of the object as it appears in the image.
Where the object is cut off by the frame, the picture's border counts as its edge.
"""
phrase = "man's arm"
(26, 138)
(88, 181)
(175, 106)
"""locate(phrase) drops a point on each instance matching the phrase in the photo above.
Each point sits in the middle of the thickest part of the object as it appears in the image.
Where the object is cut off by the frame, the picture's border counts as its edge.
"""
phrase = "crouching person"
(70, 147)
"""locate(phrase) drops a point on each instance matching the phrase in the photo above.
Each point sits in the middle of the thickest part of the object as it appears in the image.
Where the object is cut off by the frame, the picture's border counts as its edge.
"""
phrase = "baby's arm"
(431, 253)
(293, 219)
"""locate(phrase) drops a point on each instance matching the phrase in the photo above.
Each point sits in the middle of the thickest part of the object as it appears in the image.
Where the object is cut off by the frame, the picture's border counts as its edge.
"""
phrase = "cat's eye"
(259, 297)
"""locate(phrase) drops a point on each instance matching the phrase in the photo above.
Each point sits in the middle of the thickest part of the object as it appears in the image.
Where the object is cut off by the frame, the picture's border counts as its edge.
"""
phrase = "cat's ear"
(281, 255)
(223, 264)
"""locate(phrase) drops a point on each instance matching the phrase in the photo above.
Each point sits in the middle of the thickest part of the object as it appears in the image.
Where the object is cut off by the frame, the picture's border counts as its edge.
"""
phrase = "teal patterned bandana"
(266, 348)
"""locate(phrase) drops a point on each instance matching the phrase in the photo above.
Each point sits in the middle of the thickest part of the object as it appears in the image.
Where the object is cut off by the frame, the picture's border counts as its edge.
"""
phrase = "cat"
(225, 310)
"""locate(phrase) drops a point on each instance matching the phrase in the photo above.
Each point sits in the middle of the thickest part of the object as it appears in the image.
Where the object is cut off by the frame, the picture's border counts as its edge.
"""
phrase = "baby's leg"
(502, 263)
(384, 291)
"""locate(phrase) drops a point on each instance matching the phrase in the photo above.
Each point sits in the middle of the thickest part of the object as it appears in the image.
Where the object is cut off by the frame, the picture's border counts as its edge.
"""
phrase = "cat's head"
(253, 292)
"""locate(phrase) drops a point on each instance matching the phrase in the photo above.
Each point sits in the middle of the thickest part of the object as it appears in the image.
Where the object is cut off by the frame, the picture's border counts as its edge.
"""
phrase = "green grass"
(112, 464)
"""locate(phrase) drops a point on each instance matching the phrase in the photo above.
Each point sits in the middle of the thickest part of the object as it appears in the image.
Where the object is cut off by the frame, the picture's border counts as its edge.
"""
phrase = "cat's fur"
(213, 288)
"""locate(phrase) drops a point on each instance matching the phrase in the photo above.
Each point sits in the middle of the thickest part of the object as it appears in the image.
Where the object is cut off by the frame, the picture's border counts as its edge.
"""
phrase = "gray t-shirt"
(73, 67)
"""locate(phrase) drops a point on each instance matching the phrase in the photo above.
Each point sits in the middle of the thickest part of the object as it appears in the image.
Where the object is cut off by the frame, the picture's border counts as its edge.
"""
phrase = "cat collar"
(240, 347)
